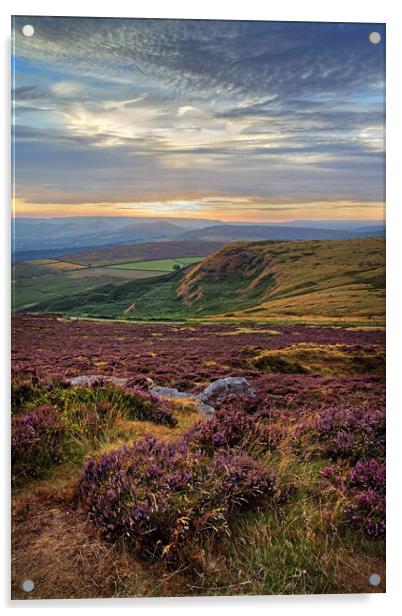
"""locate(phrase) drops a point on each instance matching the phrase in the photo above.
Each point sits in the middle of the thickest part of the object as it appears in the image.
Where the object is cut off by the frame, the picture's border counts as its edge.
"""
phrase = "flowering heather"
(36, 442)
(146, 406)
(139, 350)
(351, 432)
(364, 490)
(160, 495)
(228, 428)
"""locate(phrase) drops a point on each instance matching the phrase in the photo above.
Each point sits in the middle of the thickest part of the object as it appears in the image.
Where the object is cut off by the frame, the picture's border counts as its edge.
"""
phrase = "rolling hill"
(143, 252)
(39, 238)
(276, 232)
(341, 280)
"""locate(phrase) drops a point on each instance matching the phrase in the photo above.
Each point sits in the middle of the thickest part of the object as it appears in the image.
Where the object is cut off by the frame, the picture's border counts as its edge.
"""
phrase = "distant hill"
(143, 252)
(38, 235)
(146, 231)
(291, 281)
(40, 238)
(235, 232)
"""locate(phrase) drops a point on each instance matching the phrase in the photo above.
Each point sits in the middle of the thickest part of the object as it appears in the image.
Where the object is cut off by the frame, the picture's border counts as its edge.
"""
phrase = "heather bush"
(36, 442)
(143, 405)
(227, 429)
(27, 390)
(350, 432)
(367, 488)
(363, 487)
(160, 496)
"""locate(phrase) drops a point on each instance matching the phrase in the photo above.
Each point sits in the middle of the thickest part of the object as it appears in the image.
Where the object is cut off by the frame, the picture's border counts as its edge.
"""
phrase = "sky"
(251, 121)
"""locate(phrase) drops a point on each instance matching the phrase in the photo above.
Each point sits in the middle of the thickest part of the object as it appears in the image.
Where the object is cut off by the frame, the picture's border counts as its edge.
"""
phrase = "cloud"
(137, 108)
(66, 88)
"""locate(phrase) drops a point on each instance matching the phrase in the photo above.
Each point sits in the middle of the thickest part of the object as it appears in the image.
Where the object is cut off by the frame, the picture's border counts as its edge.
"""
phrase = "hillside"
(276, 232)
(143, 252)
(258, 281)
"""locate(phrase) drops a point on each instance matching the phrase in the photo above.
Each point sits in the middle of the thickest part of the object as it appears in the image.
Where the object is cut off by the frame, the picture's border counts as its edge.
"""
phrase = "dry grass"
(325, 360)
(55, 546)
(56, 264)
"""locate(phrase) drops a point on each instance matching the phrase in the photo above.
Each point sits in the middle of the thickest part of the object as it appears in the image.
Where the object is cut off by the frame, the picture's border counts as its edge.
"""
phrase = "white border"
(286, 10)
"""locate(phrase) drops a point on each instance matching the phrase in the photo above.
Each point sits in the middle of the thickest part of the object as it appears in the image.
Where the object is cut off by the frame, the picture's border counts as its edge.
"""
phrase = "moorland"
(120, 492)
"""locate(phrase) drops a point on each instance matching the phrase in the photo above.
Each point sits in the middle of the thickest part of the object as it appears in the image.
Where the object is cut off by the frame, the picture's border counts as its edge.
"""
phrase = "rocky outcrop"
(205, 401)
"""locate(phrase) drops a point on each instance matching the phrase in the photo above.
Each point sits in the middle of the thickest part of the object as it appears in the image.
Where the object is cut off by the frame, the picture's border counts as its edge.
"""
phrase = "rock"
(205, 401)
(89, 379)
(229, 386)
(205, 409)
(173, 394)
(169, 392)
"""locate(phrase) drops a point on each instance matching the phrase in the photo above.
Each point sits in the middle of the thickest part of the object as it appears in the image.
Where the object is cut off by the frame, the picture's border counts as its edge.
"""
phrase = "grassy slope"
(322, 279)
(303, 280)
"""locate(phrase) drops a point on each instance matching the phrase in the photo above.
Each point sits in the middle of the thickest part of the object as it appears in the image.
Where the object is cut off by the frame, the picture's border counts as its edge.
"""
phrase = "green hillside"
(45, 280)
(266, 281)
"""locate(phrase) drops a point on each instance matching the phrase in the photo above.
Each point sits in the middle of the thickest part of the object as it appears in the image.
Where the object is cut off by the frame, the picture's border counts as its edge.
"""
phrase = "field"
(159, 265)
(44, 280)
(46, 284)
(119, 493)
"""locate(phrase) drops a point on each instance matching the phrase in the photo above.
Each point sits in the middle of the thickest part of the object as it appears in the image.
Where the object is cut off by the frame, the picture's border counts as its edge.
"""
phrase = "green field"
(159, 265)
(44, 280)
(32, 284)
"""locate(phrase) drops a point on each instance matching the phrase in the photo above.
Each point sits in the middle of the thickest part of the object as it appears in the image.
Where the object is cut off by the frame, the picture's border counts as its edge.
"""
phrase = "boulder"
(229, 386)
(173, 394)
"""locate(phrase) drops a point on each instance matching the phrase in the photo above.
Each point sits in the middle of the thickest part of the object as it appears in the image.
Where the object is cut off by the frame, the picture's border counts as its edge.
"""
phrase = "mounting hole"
(28, 30)
(27, 585)
(375, 38)
(374, 579)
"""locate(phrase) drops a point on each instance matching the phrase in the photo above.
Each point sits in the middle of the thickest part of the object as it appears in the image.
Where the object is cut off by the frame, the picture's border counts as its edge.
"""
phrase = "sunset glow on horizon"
(233, 211)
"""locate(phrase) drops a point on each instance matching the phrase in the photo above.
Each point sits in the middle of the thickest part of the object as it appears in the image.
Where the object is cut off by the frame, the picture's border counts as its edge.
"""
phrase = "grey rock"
(169, 392)
(205, 409)
(89, 379)
(173, 394)
(229, 386)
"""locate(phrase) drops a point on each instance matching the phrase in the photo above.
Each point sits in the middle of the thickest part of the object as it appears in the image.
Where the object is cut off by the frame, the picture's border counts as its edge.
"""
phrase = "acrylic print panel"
(198, 308)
